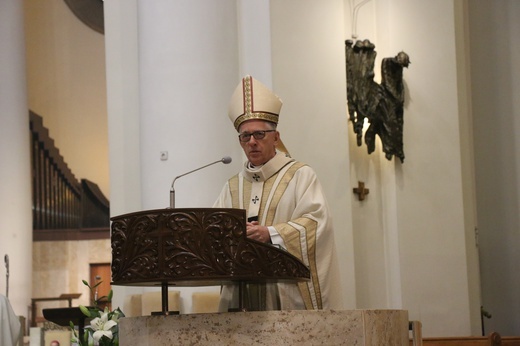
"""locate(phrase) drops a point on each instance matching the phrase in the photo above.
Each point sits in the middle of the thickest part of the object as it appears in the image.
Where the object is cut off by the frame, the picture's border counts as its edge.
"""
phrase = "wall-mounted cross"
(361, 191)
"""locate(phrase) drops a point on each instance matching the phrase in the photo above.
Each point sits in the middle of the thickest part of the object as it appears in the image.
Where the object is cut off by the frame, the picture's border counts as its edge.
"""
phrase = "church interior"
(130, 102)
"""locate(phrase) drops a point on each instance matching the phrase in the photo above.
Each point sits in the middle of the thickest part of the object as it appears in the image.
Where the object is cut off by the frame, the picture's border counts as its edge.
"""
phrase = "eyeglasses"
(246, 136)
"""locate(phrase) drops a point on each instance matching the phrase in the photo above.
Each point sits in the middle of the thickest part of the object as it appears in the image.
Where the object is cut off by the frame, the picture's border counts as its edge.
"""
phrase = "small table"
(64, 296)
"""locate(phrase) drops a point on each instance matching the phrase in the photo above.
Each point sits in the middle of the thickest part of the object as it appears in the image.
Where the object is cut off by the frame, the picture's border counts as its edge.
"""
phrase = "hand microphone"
(6, 260)
(225, 160)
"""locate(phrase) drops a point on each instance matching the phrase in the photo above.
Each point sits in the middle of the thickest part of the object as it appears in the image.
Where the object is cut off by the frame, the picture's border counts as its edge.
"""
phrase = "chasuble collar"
(264, 172)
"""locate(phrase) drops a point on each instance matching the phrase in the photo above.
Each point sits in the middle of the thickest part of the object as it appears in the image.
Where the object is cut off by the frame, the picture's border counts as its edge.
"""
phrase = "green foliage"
(104, 328)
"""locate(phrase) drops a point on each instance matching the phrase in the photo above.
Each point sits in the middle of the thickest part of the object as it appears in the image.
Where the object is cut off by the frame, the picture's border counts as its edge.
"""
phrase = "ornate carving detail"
(194, 247)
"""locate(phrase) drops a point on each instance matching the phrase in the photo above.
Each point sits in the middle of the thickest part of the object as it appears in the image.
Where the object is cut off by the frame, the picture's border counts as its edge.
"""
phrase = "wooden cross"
(361, 191)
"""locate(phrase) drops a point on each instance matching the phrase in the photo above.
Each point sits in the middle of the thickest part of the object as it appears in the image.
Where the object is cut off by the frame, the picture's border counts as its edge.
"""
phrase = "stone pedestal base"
(325, 327)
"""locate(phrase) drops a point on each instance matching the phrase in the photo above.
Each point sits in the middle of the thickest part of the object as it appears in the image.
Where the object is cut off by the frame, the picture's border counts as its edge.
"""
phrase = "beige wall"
(67, 87)
(60, 266)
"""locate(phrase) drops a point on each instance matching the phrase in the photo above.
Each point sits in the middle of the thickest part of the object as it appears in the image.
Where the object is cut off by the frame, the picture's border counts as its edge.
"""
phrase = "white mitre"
(253, 100)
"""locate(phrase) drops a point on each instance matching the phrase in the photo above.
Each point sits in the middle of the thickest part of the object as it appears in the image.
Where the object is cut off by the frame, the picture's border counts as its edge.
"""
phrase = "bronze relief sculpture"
(381, 104)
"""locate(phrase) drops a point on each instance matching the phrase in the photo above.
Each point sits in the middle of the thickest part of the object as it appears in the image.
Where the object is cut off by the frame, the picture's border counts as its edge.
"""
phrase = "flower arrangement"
(103, 329)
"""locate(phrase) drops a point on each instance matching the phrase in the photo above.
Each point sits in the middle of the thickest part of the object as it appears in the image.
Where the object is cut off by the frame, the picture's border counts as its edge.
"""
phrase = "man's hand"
(257, 232)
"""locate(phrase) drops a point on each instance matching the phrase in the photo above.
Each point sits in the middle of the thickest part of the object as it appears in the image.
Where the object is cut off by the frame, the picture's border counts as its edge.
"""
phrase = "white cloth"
(288, 198)
(10, 327)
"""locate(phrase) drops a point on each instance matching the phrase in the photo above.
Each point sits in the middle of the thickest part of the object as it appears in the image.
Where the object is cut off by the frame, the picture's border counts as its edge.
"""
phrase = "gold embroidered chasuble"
(287, 196)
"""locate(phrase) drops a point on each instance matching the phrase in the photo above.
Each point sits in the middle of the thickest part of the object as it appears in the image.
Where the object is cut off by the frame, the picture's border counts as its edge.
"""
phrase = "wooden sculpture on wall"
(381, 104)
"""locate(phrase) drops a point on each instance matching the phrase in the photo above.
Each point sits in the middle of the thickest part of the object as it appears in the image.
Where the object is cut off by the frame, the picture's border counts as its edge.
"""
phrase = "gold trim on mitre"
(253, 100)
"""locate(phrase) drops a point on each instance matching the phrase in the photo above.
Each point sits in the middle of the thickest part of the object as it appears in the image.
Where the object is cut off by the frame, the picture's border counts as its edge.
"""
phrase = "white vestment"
(10, 327)
(286, 195)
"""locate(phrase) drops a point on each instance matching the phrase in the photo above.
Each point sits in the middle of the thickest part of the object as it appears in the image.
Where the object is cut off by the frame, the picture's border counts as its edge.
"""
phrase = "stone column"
(188, 58)
(15, 174)
(171, 69)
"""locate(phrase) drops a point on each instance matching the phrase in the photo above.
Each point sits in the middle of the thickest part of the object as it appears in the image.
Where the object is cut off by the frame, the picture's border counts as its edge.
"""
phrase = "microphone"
(225, 160)
(6, 260)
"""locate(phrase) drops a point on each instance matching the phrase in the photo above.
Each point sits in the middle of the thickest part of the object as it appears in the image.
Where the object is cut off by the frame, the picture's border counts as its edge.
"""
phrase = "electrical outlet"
(164, 155)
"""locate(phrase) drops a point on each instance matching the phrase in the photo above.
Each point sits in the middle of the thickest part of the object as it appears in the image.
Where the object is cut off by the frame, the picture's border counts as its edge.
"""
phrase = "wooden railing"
(493, 339)
(63, 207)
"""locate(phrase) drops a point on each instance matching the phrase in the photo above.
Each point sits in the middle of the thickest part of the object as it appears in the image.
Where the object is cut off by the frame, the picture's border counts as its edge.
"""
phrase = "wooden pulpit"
(195, 247)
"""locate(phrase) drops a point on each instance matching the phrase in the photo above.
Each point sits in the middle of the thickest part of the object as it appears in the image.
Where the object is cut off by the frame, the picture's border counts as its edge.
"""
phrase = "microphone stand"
(164, 285)
(6, 260)
(224, 160)
(97, 288)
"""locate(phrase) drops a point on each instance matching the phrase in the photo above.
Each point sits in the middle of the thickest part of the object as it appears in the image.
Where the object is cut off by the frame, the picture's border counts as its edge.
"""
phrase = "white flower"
(101, 326)
(116, 314)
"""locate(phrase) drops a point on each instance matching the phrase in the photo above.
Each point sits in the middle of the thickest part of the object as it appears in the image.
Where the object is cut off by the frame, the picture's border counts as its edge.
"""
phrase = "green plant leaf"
(85, 310)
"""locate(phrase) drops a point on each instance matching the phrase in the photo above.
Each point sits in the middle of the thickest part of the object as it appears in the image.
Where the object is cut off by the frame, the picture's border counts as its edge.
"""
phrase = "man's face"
(259, 151)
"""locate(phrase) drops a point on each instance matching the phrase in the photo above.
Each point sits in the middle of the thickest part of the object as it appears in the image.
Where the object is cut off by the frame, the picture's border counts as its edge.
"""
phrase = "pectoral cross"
(361, 191)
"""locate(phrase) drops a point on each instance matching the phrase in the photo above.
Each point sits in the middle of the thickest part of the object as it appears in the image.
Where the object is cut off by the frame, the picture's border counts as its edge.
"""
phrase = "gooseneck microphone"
(6, 260)
(224, 160)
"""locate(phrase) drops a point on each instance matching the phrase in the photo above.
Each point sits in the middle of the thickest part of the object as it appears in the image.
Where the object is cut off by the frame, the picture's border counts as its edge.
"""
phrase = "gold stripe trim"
(233, 189)
(311, 227)
(259, 115)
(280, 190)
(235, 195)
(291, 235)
(246, 192)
